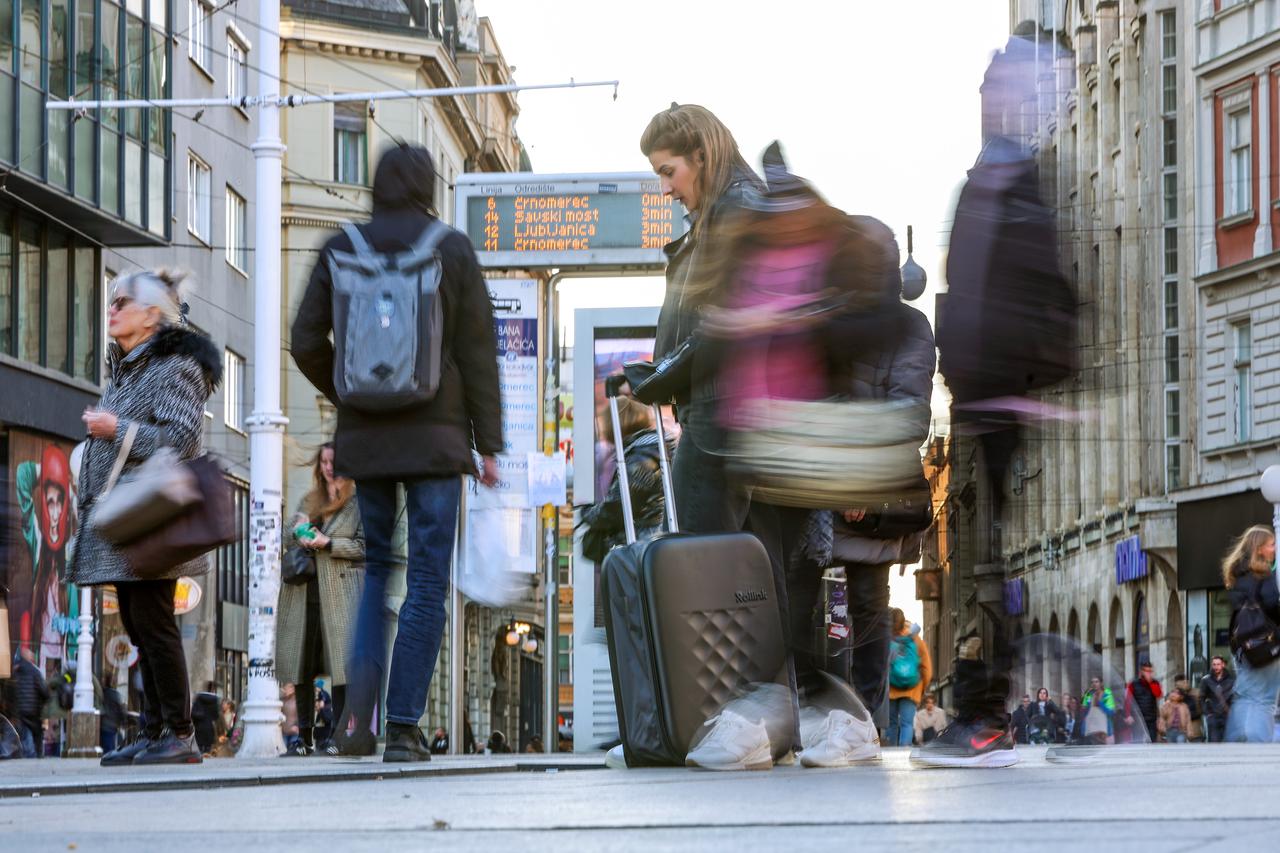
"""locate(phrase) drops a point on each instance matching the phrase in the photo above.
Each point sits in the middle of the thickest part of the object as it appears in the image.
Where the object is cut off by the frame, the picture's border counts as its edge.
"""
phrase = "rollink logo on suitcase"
(745, 596)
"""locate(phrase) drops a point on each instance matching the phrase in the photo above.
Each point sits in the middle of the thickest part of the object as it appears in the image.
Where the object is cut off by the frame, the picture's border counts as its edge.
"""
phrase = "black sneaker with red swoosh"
(968, 743)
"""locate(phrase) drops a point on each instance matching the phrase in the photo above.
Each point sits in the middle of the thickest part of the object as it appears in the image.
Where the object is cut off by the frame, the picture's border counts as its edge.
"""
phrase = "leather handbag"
(154, 493)
(833, 454)
(298, 566)
(205, 525)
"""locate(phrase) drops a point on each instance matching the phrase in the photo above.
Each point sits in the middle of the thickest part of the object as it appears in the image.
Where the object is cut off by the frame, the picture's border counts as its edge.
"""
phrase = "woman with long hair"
(698, 164)
(1248, 572)
(315, 619)
(162, 373)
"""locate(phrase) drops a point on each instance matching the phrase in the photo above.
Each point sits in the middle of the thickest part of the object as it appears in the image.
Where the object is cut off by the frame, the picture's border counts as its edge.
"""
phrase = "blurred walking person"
(1217, 689)
(315, 618)
(1097, 714)
(425, 443)
(1249, 576)
(28, 695)
(910, 670)
(1174, 722)
(930, 720)
(1143, 695)
(162, 373)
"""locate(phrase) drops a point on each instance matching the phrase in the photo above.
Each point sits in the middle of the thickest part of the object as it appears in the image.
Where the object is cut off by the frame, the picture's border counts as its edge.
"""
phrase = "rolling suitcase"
(692, 621)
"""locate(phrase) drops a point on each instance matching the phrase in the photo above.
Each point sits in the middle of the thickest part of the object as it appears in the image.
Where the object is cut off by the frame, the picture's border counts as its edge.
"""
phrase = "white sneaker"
(841, 741)
(734, 743)
(615, 759)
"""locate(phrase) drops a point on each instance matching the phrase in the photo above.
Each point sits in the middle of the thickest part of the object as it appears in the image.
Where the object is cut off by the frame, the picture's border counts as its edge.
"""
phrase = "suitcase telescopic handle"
(613, 387)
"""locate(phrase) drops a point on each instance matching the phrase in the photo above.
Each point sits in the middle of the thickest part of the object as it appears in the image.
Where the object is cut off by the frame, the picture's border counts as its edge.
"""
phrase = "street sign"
(529, 221)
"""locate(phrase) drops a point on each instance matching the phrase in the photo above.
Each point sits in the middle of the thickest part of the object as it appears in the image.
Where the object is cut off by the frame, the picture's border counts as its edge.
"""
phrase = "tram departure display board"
(603, 220)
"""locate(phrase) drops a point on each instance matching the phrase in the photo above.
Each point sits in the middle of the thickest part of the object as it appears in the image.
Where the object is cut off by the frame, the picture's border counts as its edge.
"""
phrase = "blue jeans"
(432, 508)
(1253, 710)
(902, 722)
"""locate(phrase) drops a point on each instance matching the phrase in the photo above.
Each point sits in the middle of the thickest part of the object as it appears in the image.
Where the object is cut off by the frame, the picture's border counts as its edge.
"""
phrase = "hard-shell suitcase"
(692, 621)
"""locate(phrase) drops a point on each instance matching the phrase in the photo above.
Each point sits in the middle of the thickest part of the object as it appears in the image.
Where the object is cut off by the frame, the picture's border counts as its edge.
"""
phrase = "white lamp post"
(1271, 491)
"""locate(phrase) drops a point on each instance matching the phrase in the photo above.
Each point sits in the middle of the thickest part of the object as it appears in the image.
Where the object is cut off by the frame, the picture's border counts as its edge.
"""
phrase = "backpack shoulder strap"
(426, 245)
(358, 242)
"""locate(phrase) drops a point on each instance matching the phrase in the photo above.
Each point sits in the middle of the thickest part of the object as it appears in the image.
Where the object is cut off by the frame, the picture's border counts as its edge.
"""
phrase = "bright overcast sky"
(876, 103)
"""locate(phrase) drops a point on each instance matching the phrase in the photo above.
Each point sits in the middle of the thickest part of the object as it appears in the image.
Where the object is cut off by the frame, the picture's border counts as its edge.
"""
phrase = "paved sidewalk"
(1160, 798)
(60, 776)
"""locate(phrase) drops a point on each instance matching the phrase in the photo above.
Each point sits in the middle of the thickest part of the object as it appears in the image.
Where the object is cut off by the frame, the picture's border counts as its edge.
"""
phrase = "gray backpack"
(387, 322)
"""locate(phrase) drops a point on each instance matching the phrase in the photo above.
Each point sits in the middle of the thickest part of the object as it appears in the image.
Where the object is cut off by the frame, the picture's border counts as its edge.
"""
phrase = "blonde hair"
(317, 503)
(686, 129)
(1243, 556)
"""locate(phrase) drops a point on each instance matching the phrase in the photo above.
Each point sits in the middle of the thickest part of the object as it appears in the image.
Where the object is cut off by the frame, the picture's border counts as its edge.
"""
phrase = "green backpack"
(904, 671)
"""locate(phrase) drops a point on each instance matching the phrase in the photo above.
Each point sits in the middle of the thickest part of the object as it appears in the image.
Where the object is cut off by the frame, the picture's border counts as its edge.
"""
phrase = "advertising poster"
(40, 500)
(501, 526)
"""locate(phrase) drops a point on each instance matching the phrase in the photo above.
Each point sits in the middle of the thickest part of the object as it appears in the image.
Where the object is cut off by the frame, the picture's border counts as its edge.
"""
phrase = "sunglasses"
(120, 303)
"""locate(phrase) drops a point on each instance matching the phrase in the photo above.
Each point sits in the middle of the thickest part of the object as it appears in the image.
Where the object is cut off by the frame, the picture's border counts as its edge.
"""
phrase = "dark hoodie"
(434, 438)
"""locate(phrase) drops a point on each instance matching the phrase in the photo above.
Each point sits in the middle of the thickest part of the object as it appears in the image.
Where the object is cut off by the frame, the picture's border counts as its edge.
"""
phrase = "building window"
(199, 198)
(564, 658)
(1238, 192)
(237, 69)
(1171, 250)
(350, 135)
(233, 390)
(1242, 387)
(1173, 466)
(1171, 371)
(200, 34)
(237, 232)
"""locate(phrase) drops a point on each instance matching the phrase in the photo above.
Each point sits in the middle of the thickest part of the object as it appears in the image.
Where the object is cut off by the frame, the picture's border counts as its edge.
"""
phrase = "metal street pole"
(262, 709)
(551, 521)
(84, 716)
(1271, 491)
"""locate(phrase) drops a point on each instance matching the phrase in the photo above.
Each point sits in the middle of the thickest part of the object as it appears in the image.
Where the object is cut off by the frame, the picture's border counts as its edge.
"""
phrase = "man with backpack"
(910, 670)
(413, 374)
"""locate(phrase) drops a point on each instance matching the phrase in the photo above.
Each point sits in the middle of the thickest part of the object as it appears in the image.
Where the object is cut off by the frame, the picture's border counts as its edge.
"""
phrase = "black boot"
(124, 755)
(406, 743)
(171, 749)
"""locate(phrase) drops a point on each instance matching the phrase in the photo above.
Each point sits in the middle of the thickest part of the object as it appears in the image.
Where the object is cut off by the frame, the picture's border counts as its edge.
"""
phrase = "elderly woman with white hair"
(161, 374)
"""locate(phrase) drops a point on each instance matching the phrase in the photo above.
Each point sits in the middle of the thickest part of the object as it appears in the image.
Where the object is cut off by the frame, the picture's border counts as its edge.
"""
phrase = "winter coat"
(901, 372)
(28, 693)
(648, 504)
(162, 385)
(1215, 694)
(916, 693)
(340, 576)
(1250, 586)
(435, 438)
(1174, 715)
(1145, 696)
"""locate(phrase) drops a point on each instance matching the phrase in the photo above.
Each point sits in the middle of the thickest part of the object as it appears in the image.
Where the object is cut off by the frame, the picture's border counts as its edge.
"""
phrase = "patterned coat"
(162, 385)
(340, 574)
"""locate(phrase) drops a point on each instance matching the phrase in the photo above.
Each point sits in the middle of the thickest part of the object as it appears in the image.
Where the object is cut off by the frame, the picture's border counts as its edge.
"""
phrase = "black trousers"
(313, 665)
(864, 658)
(146, 609)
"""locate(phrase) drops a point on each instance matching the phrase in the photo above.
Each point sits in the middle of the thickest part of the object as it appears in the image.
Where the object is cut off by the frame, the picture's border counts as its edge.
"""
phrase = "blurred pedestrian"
(910, 671)
(289, 709)
(534, 745)
(315, 619)
(1248, 574)
(930, 720)
(440, 742)
(1071, 719)
(162, 373)
(1195, 732)
(1045, 719)
(1217, 689)
(1174, 722)
(204, 716)
(644, 476)
(424, 446)
(1020, 719)
(497, 744)
(1142, 703)
(28, 697)
(114, 718)
(1098, 710)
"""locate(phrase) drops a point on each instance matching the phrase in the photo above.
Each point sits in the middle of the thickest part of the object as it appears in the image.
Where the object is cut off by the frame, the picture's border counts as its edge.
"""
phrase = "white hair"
(160, 288)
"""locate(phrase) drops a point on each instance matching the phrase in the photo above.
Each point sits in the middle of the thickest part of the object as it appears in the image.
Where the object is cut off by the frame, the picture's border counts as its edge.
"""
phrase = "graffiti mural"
(43, 608)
